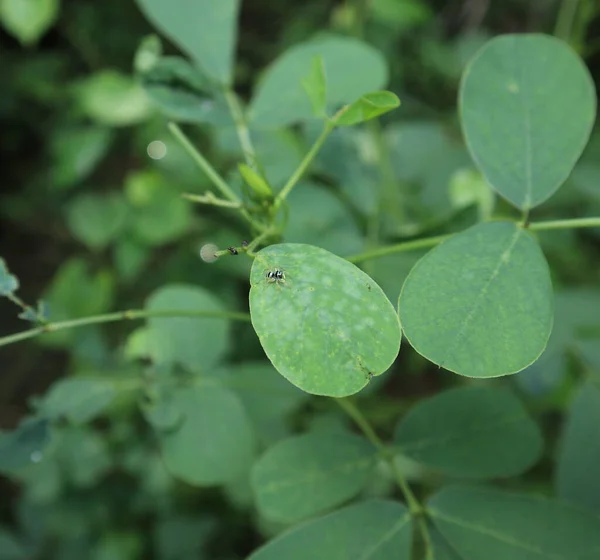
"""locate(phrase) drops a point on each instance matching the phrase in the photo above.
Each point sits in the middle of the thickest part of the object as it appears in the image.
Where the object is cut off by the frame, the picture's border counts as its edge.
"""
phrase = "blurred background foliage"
(92, 220)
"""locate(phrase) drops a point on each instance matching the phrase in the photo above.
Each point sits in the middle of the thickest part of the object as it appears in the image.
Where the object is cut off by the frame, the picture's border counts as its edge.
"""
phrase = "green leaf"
(480, 304)
(79, 399)
(162, 412)
(577, 478)
(97, 219)
(203, 29)
(148, 53)
(23, 446)
(214, 443)
(483, 523)
(306, 475)
(179, 90)
(315, 86)
(196, 343)
(373, 530)
(113, 99)
(353, 69)
(8, 282)
(400, 15)
(527, 106)
(259, 185)
(28, 20)
(367, 107)
(328, 327)
(472, 432)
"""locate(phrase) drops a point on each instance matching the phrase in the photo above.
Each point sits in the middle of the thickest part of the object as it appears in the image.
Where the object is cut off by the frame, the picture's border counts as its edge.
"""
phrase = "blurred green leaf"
(8, 282)
(400, 14)
(204, 29)
(366, 107)
(472, 432)
(11, 547)
(214, 443)
(376, 529)
(315, 86)
(113, 99)
(79, 399)
(196, 343)
(147, 54)
(97, 219)
(518, 526)
(23, 446)
(257, 183)
(182, 537)
(309, 474)
(526, 126)
(28, 20)
(577, 479)
(162, 412)
(130, 257)
(481, 303)
(329, 327)
(353, 69)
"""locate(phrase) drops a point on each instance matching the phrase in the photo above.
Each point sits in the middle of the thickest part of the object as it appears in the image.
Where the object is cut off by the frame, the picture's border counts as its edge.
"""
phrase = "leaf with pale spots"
(327, 326)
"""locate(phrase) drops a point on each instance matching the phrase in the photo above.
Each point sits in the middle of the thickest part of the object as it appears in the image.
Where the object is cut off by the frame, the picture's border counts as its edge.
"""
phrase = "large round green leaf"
(577, 477)
(527, 106)
(481, 523)
(481, 303)
(214, 443)
(373, 530)
(204, 29)
(197, 343)
(305, 475)
(471, 432)
(327, 327)
(353, 69)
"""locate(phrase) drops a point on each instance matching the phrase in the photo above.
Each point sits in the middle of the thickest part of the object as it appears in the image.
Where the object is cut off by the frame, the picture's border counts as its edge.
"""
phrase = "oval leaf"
(527, 106)
(305, 475)
(194, 342)
(28, 20)
(327, 327)
(214, 443)
(373, 530)
(471, 432)
(481, 303)
(367, 107)
(577, 478)
(483, 523)
(353, 69)
(204, 29)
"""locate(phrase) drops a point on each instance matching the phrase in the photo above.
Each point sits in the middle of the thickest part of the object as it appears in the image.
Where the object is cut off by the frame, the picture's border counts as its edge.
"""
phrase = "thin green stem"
(565, 19)
(20, 303)
(210, 199)
(565, 224)
(203, 164)
(399, 248)
(241, 127)
(257, 241)
(308, 158)
(121, 316)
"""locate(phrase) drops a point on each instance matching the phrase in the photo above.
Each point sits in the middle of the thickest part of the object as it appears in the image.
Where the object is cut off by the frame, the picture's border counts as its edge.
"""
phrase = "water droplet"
(36, 456)
(157, 149)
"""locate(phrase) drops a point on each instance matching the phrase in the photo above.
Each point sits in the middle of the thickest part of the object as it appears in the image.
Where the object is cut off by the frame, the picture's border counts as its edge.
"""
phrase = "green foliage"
(28, 20)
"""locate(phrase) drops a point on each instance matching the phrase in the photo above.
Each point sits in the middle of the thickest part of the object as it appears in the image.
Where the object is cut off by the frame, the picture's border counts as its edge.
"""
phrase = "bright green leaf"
(113, 99)
(197, 343)
(79, 399)
(259, 185)
(306, 475)
(8, 282)
(481, 303)
(97, 219)
(204, 29)
(471, 432)
(28, 20)
(353, 69)
(147, 54)
(577, 479)
(484, 523)
(315, 86)
(527, 107)
(214, 443)
(372, 530)
(25, 445)
(328, 327)
(367, 107)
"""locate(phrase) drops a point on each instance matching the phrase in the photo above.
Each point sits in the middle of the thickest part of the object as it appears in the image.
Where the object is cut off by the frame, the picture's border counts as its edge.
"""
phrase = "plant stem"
(211, 199)
(565, 224)
(203, 164)
(566, 19)
(20, 303)
(241, 127)
(257, 241)
(399, 248)
(121, 316)
(308, 158)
